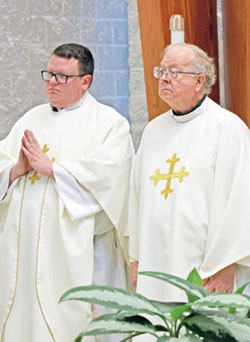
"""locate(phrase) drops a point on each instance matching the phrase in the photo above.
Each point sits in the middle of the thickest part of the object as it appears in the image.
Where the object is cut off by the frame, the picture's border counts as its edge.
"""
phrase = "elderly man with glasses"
(190, 188)
(63, 185)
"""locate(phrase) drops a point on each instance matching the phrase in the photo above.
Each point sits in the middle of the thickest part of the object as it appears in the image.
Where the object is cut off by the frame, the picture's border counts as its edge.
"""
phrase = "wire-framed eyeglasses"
(158, 72)
(60, 78)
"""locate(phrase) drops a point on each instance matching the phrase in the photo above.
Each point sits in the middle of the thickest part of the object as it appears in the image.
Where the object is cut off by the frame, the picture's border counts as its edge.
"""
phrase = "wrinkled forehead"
(178, 56)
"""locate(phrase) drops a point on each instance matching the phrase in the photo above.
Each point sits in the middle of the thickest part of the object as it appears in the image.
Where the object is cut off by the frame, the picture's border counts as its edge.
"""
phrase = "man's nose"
(165, 76)
(53, 79)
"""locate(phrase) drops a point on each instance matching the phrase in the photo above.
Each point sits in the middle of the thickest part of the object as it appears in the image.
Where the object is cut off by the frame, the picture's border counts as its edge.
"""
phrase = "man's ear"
(86, 81)
(200, 81)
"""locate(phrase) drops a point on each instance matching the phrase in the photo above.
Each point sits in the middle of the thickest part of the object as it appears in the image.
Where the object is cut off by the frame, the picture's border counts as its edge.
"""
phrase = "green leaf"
(122, 300)
(124, 314)
(190, 338)
(109, 324)
(219, 325)
(186, 285)
(207, 328)
(232, 310)
(179, 310)
(166, 338)
(159, 327)
(221, 299)
(166, 307)
(239, 291)
(242, 288)
(195, 278)
(129, 338)
(184, 338)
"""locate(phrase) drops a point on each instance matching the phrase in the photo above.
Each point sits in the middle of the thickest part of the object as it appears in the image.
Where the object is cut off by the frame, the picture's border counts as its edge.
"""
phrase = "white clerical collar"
(76, 105)
(193, 114)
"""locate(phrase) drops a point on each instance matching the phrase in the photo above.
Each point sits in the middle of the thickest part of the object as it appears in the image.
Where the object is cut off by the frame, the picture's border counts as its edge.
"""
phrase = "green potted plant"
(204, 317)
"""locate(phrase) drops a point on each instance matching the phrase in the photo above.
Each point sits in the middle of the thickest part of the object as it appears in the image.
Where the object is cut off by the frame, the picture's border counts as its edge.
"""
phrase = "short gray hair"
(203, 64)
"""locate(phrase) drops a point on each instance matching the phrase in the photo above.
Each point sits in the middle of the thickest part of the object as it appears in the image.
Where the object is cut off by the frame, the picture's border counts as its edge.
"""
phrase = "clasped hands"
(31, 157)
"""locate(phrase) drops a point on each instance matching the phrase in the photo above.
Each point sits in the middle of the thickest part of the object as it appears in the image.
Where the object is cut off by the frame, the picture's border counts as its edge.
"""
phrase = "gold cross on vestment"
(35, 176)
(169, 176)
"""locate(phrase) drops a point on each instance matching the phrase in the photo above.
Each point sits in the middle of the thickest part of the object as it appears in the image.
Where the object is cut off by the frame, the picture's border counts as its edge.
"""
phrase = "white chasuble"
(190, 195)
(43, 251)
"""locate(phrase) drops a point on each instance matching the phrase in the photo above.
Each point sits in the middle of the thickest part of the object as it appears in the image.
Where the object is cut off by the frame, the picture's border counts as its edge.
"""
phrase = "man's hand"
(20, 168)
(133, 271)
(38, 160)
(222, 281)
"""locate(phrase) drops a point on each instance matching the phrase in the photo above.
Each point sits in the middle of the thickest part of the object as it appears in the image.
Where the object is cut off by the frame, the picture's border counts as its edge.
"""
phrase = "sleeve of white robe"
(109, 267)
(78, 201)
(104, 171)
(4, 184)
(228, 238)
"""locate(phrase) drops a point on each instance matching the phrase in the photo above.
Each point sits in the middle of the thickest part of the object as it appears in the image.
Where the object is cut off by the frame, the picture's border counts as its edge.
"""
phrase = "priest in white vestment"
(64, 173)
(190, 185)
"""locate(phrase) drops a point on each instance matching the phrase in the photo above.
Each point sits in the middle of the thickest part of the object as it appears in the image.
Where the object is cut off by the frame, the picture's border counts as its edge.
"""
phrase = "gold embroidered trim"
(169, 176)
(94, 316)
(38, 243)
(18, 250)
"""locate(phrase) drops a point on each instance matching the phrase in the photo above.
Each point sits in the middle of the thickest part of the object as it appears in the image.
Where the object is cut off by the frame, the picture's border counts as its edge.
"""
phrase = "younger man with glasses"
(64, 179)
(190, 191)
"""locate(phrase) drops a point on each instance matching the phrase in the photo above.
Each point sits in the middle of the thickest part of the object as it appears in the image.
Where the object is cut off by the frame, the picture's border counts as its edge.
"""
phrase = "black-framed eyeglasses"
(171, 73)
(60, 78)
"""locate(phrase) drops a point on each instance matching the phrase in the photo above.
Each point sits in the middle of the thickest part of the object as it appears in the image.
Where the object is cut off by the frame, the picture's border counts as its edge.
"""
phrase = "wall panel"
(236, 16)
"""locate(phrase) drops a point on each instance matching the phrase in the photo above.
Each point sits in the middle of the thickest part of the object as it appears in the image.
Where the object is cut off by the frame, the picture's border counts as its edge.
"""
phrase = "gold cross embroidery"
(169, 176)
(35, 176)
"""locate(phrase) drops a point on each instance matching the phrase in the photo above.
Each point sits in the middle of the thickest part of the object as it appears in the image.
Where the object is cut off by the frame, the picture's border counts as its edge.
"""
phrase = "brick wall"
(137, 102)
(31, 29)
